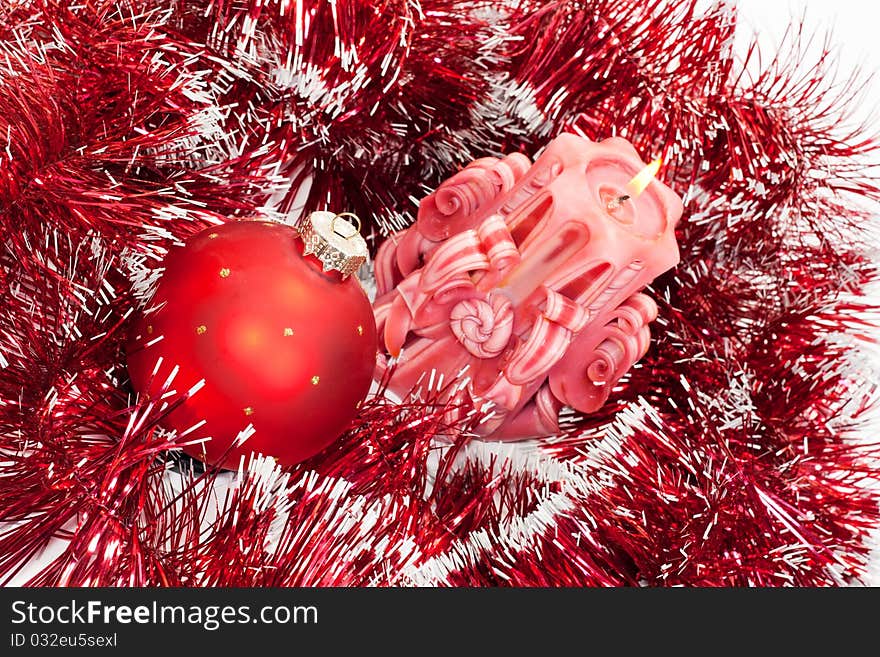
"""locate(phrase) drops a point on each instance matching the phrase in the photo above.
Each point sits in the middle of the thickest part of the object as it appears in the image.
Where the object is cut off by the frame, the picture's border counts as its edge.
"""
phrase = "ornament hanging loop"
(342, 252)
(346, 216)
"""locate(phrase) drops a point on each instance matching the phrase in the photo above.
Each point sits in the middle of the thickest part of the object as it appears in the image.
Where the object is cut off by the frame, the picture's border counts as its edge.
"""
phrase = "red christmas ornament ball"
(279, 343)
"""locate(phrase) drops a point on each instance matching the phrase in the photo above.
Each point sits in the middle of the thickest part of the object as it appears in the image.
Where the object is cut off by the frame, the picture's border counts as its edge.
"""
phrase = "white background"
(853, 24)
(854, 28)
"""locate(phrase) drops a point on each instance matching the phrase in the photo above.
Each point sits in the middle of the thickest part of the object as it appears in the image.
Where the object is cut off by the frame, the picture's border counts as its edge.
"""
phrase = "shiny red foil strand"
(729, 456)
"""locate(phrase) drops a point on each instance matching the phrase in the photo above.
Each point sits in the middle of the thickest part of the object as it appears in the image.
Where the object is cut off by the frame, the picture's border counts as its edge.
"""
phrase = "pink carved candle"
(528, 276)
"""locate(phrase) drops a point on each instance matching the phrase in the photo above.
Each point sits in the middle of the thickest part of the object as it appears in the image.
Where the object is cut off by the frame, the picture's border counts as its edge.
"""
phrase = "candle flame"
(643, 178)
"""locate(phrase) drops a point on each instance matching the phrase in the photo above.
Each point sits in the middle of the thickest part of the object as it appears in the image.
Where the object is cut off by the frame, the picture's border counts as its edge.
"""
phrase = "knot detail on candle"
(607, 359)
(482, 326)
(498, 244)
(549, 338)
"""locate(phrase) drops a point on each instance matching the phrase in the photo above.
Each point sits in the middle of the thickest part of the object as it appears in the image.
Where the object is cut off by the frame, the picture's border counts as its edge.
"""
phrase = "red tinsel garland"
(727, 457)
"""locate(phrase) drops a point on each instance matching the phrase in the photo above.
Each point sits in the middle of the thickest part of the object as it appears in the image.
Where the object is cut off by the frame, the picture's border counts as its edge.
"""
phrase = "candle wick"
(615, 203)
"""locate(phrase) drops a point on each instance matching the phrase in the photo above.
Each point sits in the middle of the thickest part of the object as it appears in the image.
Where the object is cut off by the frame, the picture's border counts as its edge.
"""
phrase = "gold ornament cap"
(335, 239)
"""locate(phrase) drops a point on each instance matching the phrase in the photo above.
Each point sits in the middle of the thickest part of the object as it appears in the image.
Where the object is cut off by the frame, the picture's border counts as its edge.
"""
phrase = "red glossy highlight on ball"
(276, 340)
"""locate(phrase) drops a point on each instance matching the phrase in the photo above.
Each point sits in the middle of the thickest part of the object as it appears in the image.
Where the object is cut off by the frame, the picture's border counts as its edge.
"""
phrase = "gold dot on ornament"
(224, 272)
(360, 329)
(288, 332)
(213, 236)
(315, 380)
(201, 329)
(248, 410)
(149, 329)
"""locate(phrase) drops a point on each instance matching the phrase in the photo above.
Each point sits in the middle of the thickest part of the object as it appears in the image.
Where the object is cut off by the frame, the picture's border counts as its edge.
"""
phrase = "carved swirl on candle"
(636, 312)
(453, 206)
(608, 359)
(586, 378)
(508, 171)
(483, 327)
